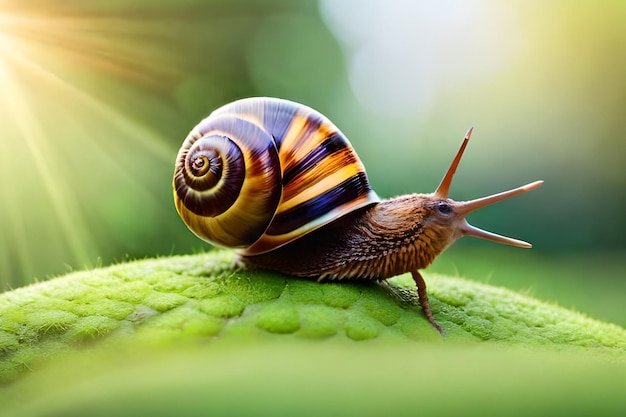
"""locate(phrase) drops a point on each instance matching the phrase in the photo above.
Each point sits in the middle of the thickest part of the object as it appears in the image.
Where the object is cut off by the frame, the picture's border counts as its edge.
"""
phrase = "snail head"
(451, 214)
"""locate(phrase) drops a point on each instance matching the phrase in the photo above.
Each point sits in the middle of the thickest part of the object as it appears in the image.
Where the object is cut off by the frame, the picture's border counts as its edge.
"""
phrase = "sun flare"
(60, 123)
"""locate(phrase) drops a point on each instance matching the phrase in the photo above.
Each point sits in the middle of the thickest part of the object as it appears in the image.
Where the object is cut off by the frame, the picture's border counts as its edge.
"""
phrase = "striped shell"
(260, 172)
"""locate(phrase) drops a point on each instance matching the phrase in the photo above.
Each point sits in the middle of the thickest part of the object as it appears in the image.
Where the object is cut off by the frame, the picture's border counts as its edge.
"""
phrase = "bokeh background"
(96, 98)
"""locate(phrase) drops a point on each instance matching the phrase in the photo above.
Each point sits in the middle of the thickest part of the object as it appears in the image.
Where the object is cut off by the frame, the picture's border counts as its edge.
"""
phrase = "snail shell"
(261, 172)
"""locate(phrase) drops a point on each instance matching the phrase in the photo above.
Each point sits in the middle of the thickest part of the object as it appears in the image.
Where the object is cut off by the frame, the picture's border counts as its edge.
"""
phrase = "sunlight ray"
(40, 59)
(98, 51)
(129, 48)
(34, 137)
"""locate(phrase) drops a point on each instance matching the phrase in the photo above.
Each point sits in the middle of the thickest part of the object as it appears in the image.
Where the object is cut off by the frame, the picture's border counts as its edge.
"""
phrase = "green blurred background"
(96, 98)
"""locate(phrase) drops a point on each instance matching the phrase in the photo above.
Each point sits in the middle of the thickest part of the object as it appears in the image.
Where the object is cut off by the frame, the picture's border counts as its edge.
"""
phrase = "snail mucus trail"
(281, 183)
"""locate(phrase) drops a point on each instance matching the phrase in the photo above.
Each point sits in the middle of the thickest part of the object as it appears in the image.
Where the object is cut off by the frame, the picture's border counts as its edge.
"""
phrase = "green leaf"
(203, 297)
(181, 326)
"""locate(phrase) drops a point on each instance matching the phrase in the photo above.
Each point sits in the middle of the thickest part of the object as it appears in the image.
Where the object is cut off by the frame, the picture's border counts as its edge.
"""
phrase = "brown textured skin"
(393, 237)
(388, 239)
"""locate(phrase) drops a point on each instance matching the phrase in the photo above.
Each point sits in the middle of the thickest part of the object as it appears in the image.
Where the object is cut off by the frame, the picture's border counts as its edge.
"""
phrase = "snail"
(279, 182)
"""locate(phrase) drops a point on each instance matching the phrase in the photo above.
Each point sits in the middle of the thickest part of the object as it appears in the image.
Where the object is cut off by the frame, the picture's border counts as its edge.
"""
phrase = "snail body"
(279, 182)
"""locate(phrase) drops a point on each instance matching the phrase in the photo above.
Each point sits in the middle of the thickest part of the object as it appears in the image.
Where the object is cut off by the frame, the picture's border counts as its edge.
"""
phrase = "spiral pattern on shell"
(260, 172)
